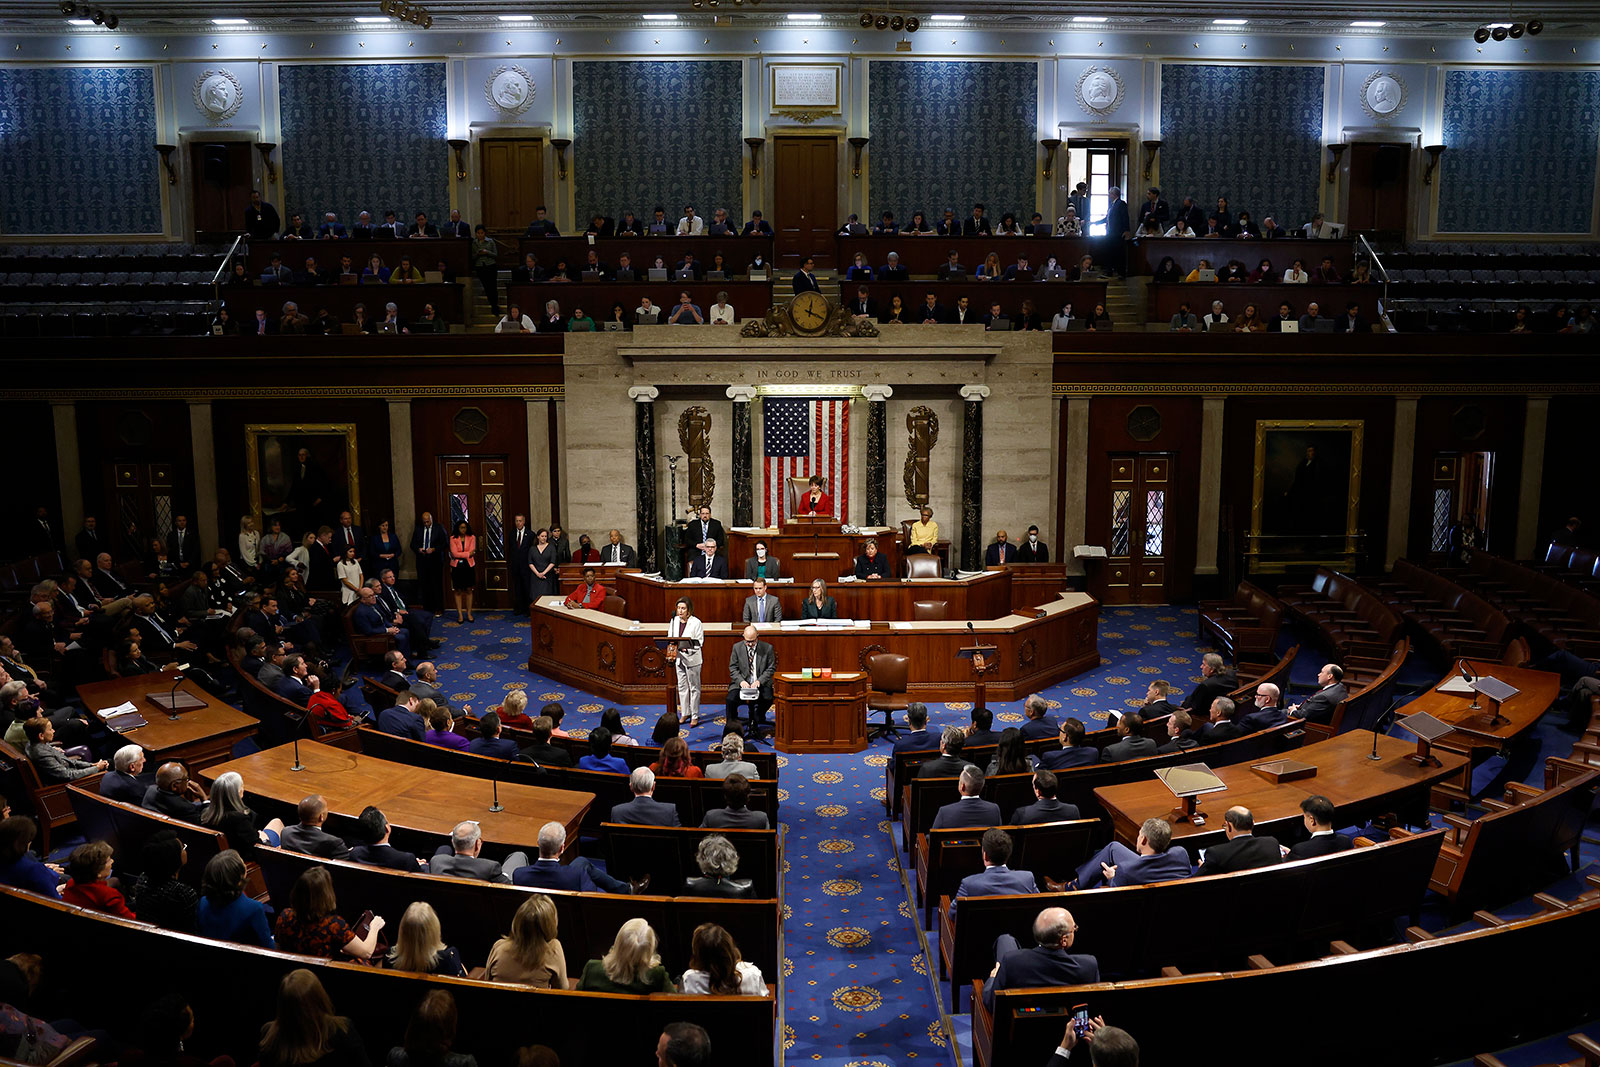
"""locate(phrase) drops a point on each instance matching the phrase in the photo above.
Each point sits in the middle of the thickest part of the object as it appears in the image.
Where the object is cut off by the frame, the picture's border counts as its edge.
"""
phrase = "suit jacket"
(916, 741)
(1261, 718)
(117, 785)
(1318, 707)
(1243, 853)
(967, 812)
(402, 722)
(315, 841)
(1320, 845)
(991, 556)
(171, 804)
(878, 565)
(774, 569)
(717, 568)
(627, 553)
(996, 881)
(645, 811)
(980, 737)
(427, 691)
(1028, 968)
(773, 609)
(1117, 220)
(54, 765)
(1208, 689)
(110, 587)
(829, 609)
(474, 867)
(498, 747)
(548, 755)
(293, 689)
(385, 856)
(185, 551)
(439, 542)
(1058, 759)
(1129, 748)
(1133, 868)
(519, 553)
(942, 767)
(1035, 729)
(740, 668)
(553, 874)
(1342, 324)
(971, 227)
(736, 819)
(1212, 732)
(804, 282)
(344, 538)
(371, 619)
(1045, 810)
(1030, 553)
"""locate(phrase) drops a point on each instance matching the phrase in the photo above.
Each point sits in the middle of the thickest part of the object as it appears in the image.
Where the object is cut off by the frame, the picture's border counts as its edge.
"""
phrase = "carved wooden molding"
(606, 653)
(650, 662)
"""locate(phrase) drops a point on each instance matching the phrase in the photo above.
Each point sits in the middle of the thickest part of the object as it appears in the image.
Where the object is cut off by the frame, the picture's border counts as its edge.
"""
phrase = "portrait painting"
(302, 474)
(1307, 487)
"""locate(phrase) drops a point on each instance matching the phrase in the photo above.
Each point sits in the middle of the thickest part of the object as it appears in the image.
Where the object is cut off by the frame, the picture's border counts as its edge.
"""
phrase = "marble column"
(1401, 466)
(68, 475)
(1535, 424)
(743, 461)
(877, 452)
(1077, 492)
(541, 496)
(402, 483)
(972, 477)
(1210, 518)
(203, 446)
(644, 448)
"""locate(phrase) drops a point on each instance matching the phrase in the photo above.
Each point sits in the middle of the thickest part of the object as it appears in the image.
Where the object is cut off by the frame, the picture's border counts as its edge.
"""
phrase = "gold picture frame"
(270, 451)
(1305, 496)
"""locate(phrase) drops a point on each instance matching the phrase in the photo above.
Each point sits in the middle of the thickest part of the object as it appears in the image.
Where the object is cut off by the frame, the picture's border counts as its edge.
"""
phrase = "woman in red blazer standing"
(463, 568)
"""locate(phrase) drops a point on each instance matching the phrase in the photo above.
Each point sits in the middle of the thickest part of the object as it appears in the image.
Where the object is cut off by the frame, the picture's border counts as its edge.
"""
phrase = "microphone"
(172, 699)
(1379, 722)
(295, 737)
(1466, 673)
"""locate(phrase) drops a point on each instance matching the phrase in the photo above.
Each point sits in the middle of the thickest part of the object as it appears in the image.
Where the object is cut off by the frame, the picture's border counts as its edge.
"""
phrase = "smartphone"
(1080, 1019)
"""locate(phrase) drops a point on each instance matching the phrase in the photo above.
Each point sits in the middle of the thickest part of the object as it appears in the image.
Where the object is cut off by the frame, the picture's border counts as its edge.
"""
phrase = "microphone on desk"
(1466, 673)
(172, 698)
(1374, 755)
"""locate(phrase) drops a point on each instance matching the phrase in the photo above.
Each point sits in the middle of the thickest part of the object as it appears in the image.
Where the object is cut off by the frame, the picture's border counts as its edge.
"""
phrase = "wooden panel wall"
(1468, 424)
(432, 436)
(137, 432)
(31, 479)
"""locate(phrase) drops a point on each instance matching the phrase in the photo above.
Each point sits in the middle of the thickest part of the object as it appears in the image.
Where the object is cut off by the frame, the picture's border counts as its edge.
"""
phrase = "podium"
(982, 662)
(670, 658)
(820, 714)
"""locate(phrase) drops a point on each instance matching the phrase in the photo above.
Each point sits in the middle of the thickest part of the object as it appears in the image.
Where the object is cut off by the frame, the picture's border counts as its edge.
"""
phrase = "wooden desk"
(1358, 787)
(825, 540)
(821, 714)
(987, 596)
(199, 738)
(425, 254)
(750, 300)
(1163, 298)
(414, 798)
(1473, 728)
(1033, 584)
(1146, 254)
(924, 255)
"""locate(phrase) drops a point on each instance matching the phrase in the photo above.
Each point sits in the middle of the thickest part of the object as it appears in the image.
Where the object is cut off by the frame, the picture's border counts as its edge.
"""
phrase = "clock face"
(810, 312)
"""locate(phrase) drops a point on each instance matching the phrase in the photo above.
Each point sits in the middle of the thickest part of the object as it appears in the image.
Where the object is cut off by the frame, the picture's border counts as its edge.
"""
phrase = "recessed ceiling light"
(230, 22)
(80, 22)
(661, 18)
(516, 18)
(1089, 18)
(1229, 22)
(1368, 25)
(799, 16)
(371, 20)
(948, 18)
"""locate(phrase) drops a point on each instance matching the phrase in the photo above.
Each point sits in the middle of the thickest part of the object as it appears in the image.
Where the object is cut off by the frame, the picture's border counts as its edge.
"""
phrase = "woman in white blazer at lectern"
(685, 625)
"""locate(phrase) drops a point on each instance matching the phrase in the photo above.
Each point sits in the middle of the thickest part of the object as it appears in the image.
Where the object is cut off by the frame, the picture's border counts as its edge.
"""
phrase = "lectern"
(670, 647)
(982, 663)
(820, 714)
(1189, 782)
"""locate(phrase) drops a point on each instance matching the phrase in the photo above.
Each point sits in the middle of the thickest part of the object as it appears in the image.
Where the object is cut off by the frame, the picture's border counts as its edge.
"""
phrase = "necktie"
(400, 604)
(761, 609)
(616, 553)
(427, 536)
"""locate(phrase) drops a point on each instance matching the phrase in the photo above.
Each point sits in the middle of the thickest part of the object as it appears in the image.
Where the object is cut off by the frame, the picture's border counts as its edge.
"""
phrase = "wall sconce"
(1338, 154)
(265, 148)
(458, 145)
(166, 151)
(561, 144)
(1050, 144)
(1434, 152)
(755, 144)
(1151, 150)
(858, 143)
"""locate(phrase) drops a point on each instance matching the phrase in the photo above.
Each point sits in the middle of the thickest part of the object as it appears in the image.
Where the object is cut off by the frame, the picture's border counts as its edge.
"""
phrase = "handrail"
(1383, 272)
(227, 259)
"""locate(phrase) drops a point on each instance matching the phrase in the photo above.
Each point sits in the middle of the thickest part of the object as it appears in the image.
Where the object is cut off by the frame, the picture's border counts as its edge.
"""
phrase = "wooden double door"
(806, 194)
(513, 184)
(473, 489)
(1140, 542)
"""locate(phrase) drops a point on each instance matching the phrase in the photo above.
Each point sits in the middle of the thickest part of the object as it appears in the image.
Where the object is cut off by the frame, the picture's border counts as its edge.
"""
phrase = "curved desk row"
(617, 659)
(987, 596)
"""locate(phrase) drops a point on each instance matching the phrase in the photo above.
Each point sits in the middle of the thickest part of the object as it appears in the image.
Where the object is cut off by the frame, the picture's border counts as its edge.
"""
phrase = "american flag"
(801, 438)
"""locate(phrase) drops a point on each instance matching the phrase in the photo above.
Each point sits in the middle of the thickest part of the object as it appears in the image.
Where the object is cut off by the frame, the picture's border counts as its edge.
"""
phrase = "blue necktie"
(761, 609)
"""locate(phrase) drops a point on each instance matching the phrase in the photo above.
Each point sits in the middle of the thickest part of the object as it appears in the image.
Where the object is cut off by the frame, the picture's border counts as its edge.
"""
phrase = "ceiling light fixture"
(230, 22)
(369, 20)
(948, 18)
(661, 18)
(80, 22)
(516, 18)
(1368, 25)
(804, 16)
(1230, 22)
(1090, 18)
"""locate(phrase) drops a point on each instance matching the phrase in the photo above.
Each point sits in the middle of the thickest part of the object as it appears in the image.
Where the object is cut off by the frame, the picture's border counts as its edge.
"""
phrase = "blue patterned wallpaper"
(1521, 151)
(1252, 134)
(947, 134)
(657, 132)
(364, 137)
(75, 151)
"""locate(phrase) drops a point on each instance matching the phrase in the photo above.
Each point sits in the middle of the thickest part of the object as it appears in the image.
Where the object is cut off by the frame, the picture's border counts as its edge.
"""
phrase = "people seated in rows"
(226, 912)
(1242, 850)
(1048, 963)
(1216, 317)
(1235, 271)
(1038, 723)
(1285, 315)
(1320, 705)
(756, 227)
(1179, 228)
(1184, 320)
(462, 857)
(311, 923)
(1216, 680)
(1317, 812)
(541, 226)
(1045, 807)
(49, 761)
(924, 533)
(1010, 757)
(531, 954)
(1131, 742)
(1313, 318)
(686, 312)
(632, 965)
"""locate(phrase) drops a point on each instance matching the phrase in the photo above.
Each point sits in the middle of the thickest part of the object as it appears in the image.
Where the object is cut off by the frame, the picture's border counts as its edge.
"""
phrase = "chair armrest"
(1342, 948)
(1415, 934)
(1171, 972)
(1259, 962)
(1488, 918)
(1550, 903)
(1527, 792)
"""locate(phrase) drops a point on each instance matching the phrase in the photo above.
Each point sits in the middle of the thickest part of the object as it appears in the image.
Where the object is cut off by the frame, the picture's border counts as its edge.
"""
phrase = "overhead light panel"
(804, 16)
(1090, 18)
(1230, 22)
(1367, 25)
(661, 18)
(230, 22)
(80, 22)
(369, 20)
(948, 18)
(516, 18)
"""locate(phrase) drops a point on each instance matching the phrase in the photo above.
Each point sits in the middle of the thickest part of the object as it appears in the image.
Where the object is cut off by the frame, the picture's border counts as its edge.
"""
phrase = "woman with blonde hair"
(716, 968)
(420, 947)
(305, 1029)
(249, 543)
(514, 710)
(632, 965)
(530, 954)
(675, 761)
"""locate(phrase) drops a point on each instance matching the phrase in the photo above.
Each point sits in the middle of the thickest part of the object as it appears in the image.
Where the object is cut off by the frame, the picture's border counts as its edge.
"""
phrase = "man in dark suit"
(1033, 550)
(995, 318)
(1047, 964)
(996, 879)
(1073, 752)
(430, 543)
(979, 733)
(751, 665)
(971, 809)
(1118, 230)
(309, 837)
(705, 528)
(1318, 707)
(422, 227)
(371, 620)
(644, 809)
(1155, 209)
(1318, 812)
(1268, 710)
(1181, 732)
(520, 543)
(541, 226)
(615, 551)
(1243, 850)
(1153, 858)
(735, 813)
(1039, 724)
(863, 306)
(418, 622)
(708, 565)
(402, 720)
(1352, 321)
(893, 270)
(297, 683)
(548, 872)
(489, 742)
(1019, 271)
(805, 279)
(1156, 703)
(539, 750)
(123, 782)
(1216, 680)
(87, 542)
(461, 859)
(977, 225)
(457, 226)
(1001, 552)
(1045, 808)
(1131, 742)
(394, 670)
(298, 229)
(260, 218)
(757, 226)
(377, 851)
(43, 535)
(949, 763)
(1224, 724)
(348, 535)
(918, 740)
(185, 545)
(930, 313)
(107, 586)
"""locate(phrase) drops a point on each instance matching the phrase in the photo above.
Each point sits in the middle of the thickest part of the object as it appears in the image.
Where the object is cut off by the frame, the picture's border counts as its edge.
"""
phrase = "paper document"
(124, 708)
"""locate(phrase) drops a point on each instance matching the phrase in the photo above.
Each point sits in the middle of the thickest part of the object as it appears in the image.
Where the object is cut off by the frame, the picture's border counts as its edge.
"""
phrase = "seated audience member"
(996, 879)
(1285, 315)
(514, 321)
(158, 897)
(1216, 318)
(462, 858)
(88, 868)
(718, 861)
(1327, 273)
(1317, 228)
(1010, 756)
(19, 867)
(632, 966)
(306, 1031)
(860, 270)
(978, 730)
(1019, 271)
(489, 742)
(1045, 808)
(1181, 733)
(298, 230)
(123, 782)
(441, 730)
(1184, 321)
(805, 279)
(1039, 724)
(600, 757)
(971, 809)
(1167, 271)
(579, 322)
(1194, 275)
(919, 738)
(646, 314)
(1244, 226)
(893, 270)
(406, 717)
(1216, 680)
(667, 726)
(716, 968)
(1312, 318)
(513, 711)
(1318, 812)
(1235, 271)
(227, 812)
(419, 945)
(675, 761)
(226, 912)
(1154, 858)
(1028, 318)
(1242, 851)
(1049, 963)
(686, 313)
(1268, 708)
(50, 762)
(1223, 724)
(406, 273)
(756, 227)
(1131, 742)
(1249, 321)
(871, 563)
(555, 713)
(1352, 321)
(308, 836)
(431, 1035)
(722, 313)
(644, 809)
(174, 794)
(539, 749)
(530, 954)
(1156, 703)
(1264, 274)
(548, 872)
(1180, 228)
(277, 273)
(735, 813)
(694, 267)
(1296, 275)
(553, 322)
(376, 850)
(733, 761)
(1320, 705)
(952, 740)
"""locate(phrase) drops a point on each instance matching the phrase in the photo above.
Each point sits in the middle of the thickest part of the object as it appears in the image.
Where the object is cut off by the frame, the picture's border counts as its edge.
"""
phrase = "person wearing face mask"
(585, 552)
(762, 565)
(1033, 550)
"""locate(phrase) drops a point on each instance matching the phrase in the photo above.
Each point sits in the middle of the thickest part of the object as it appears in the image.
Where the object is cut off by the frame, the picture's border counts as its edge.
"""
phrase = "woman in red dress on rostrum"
(814, 501)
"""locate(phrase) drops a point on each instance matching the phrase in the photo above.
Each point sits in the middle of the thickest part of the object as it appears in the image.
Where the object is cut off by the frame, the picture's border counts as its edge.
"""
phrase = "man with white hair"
(461, 857)
(1215, 681)
(122, 781)
(733, 761)
(1216, 316)
(331, 229)
(1268, 710)
(548, 872)
(644, 809)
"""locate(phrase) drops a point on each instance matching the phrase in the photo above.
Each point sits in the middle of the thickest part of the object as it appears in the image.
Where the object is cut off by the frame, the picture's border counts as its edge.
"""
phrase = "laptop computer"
(1052, 275)
(716, 275)
(348, 279)
(1322, 325)
(685, 275)
(758, 275)
(658, 274)
(625, 274)
(613, 326)
(1000, 325)
(1206, 276)
(1075, 325)
(1288, 326)
(591, 275)
(388, 327)
(433, 277)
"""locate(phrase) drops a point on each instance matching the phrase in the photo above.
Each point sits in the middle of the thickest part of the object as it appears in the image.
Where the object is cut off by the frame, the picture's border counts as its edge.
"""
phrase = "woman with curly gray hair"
(718, 861)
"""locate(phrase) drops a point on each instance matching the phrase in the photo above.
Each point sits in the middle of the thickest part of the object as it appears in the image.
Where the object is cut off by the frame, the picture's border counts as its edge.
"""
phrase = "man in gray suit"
(751, 664)
(1319, 706)
(762, 606)
(735, 813)
(426, 687)
(272, 670)
(733, 761)
(460, 859)
(309, 836)
(644, 809)
(1131, 742)
(996, 879)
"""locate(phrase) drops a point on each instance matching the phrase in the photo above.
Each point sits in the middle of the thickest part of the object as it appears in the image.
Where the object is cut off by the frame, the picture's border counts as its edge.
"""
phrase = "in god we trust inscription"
(218, 95)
